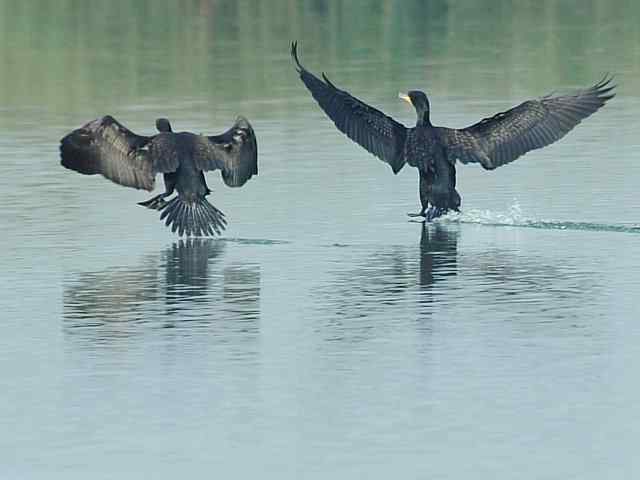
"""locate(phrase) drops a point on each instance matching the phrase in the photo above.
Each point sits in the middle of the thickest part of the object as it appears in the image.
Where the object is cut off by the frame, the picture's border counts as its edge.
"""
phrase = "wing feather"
(533, 124)
(378, 133)
(105, 146)
(235, 153)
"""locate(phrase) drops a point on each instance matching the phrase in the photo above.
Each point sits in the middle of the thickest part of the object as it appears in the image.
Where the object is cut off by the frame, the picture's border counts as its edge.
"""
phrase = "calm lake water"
(324, 335)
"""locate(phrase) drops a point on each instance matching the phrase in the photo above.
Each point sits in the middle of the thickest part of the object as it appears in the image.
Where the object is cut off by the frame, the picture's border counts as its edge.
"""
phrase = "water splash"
(514, 217)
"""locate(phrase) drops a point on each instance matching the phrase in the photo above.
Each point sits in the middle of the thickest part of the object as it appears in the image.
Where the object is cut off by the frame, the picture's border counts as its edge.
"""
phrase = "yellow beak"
(405, 97)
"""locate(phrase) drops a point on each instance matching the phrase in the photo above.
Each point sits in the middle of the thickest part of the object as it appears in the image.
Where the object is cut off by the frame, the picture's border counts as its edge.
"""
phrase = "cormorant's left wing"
(235, 153)
(501, 139)
(378, 133)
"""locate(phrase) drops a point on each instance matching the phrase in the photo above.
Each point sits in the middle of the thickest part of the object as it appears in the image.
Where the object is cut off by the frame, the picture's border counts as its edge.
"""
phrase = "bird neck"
(423, 118)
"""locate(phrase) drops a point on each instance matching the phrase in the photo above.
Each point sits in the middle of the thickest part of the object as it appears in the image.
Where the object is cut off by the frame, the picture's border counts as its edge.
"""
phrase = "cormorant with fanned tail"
(492, 142)
(107, 147)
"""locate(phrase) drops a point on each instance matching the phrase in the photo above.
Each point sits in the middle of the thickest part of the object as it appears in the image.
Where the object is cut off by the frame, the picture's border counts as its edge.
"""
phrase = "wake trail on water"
(514, 217)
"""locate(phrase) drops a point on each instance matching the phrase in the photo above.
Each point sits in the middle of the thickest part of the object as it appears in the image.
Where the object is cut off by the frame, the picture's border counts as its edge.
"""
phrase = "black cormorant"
(433, 150)
(107, 147)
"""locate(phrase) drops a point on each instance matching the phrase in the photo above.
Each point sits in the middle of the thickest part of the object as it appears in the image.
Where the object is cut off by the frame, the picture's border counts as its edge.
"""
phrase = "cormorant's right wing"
(500, 139)
(370, 128)
(107, 147)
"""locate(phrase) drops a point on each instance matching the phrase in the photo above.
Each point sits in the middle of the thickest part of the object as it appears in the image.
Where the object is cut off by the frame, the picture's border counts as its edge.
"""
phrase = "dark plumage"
(107, 147)
(433, 150)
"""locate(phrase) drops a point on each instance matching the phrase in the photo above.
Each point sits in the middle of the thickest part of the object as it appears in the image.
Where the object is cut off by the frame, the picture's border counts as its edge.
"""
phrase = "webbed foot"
(155, 203)
(419, 214)
(435, 212)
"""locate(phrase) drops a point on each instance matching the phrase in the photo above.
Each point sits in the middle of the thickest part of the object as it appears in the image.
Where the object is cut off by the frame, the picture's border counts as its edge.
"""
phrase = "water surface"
(324, 335)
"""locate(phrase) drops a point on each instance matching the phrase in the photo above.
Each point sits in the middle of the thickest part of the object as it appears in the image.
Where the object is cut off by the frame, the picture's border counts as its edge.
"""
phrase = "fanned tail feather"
(195, 218)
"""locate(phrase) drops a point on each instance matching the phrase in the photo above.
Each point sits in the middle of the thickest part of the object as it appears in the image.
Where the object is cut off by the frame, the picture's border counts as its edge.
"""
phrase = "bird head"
(419, 101)
(163, 125)
(416, 98)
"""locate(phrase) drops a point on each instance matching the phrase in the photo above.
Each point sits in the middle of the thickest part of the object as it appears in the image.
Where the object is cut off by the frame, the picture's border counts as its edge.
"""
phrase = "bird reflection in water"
(389, 280)
(186, 285)
(393, 286)
(438, 254)
(187, 271)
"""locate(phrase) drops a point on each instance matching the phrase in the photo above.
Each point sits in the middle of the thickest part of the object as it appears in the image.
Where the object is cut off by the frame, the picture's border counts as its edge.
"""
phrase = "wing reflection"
(188, 282)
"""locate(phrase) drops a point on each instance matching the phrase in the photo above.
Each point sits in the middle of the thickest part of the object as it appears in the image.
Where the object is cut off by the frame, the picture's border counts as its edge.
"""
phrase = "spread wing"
(370, 128)
(235, 153)
(105, 146)
(500, 139)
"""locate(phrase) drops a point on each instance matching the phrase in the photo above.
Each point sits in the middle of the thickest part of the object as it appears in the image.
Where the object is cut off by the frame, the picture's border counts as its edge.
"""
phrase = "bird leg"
(157, 202)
